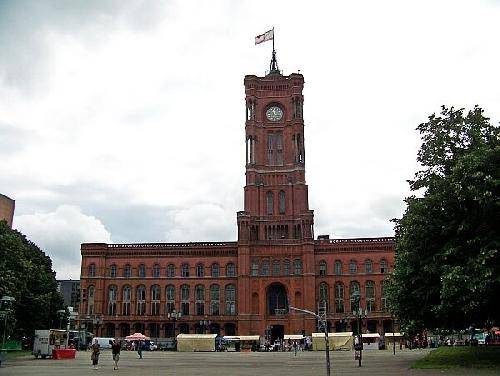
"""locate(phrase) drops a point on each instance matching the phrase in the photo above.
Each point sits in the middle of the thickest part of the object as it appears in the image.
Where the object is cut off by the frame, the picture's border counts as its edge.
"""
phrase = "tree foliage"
(447, 268)
(26, 274)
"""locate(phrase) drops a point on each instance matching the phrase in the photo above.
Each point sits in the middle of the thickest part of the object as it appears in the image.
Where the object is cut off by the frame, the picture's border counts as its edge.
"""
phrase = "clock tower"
(275, 229)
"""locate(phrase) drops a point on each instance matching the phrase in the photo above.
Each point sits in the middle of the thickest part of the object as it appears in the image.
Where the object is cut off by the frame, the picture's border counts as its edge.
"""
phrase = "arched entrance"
(214, 328)
(230, 329)
(124, 329)
(277, 300)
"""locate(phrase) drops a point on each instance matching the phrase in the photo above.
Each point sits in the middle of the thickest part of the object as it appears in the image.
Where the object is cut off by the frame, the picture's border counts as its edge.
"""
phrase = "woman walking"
(94, 356)
(115, 348)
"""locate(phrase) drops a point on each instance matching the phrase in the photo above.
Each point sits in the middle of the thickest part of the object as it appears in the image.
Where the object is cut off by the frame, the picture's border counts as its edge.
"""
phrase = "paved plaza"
(376, 363)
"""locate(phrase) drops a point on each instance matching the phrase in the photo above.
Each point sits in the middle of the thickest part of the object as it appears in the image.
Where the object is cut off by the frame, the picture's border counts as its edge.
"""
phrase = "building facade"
(247, 286)
(70, 291)
(7, 206)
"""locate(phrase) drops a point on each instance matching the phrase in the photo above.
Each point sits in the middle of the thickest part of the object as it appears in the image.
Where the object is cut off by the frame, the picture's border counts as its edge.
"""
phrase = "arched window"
(255, 268)
(90, 305)
(156, 271)
(297, 267)
(170, 270)
(230, 270)
(230, 296)
(322, 268)
(270, 203)
(215, 270)
(127, 297)
(323, 295)
(265, 267)
(354, 286)
(339, 297)
(338, 267)
(185, 270)
(170, 295)
(142, 271)
(353, 266)
(185, 300)
(112, 271)
(127, 271)
(91, 270)
(281, 201)
(215, 300)
(368, 266)
(286, 267)
(276, 267)
(112, 295)
(383, 296)
(370, 295)
(200, 270)
(383, 266)
(141, 300)
(155, 300)
(200, 300)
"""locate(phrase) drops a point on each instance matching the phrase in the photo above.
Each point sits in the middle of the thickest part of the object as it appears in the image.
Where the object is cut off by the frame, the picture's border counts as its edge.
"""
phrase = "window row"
(353, 267)
(185, 301)
(215, 270)
(267, 267)
(339, 293)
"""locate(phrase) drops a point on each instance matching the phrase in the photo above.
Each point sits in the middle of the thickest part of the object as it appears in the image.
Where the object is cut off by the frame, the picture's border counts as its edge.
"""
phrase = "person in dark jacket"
(115, 349)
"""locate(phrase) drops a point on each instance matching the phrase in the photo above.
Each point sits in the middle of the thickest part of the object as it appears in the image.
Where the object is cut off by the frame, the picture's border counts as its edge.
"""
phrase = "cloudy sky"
(123, 121)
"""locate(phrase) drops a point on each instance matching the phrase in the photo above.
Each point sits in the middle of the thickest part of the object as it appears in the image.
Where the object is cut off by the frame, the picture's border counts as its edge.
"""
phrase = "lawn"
(467, 357)
(16, 354)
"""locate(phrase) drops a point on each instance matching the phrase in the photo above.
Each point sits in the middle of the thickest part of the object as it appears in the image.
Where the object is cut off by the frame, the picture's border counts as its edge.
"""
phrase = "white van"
(104, 342)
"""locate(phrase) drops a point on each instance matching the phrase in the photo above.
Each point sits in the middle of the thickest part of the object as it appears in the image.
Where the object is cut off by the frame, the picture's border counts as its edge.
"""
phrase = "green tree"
(447, 267)
(26, 274)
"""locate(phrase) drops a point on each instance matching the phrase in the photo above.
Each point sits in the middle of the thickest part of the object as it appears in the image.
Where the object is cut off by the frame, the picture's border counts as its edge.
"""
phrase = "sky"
(123, 121)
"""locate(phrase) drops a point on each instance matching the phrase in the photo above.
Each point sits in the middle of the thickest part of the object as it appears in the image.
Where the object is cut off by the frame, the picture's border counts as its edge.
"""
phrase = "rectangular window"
(275, 149)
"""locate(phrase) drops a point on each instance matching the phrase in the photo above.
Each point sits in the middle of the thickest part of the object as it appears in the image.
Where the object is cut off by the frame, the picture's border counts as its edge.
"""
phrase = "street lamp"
(359, 314)
(6, 300)
(61, 313)
(323, 323)
(174, 316)
(97, 322)
(204, 324)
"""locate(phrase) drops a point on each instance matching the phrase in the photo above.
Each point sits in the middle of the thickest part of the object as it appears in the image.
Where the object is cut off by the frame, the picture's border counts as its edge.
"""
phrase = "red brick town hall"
(245, 287)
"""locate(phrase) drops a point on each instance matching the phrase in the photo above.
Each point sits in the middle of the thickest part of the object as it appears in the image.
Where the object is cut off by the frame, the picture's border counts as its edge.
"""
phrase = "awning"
(242, 338)
(336, 334)
(293, 337)
(371, 335)
(393, 335)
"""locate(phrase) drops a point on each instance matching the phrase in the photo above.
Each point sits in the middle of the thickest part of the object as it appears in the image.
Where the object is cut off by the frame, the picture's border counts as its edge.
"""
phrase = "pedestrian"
(295, 347)
(139, 349)
(115, 348)
(94, 356)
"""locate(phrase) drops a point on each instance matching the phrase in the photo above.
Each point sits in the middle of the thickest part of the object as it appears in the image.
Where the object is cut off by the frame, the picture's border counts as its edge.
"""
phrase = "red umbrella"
(136, 337)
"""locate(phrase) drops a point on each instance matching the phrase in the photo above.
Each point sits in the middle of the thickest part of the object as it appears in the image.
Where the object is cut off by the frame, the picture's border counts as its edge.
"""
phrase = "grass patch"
(17, 354)
(466, 357)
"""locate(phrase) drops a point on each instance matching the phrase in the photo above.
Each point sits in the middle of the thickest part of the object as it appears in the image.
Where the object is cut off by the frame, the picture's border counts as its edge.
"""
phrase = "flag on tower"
(268, 35)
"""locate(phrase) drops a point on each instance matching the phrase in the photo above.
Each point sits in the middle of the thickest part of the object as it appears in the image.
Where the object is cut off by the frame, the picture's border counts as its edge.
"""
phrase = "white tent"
(337, 341)
(370, 341)
(196, 342)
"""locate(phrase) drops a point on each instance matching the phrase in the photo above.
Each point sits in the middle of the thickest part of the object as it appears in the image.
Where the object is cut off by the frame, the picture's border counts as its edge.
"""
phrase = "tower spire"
(273, 67)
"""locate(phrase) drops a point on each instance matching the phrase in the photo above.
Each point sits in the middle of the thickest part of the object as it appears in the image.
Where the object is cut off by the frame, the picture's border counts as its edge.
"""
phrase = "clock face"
(274, 113)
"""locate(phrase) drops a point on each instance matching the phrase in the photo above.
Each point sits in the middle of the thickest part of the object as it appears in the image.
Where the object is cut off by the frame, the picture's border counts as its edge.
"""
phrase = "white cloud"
(60, 233)
(202, 222)
(145, 100)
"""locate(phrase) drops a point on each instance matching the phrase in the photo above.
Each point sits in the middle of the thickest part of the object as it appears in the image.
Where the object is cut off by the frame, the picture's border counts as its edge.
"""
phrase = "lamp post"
(359, 314)
(6, 300)
(174, 316)
(61, 313)
(97, 322)
(323, 323)
(204, 324)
